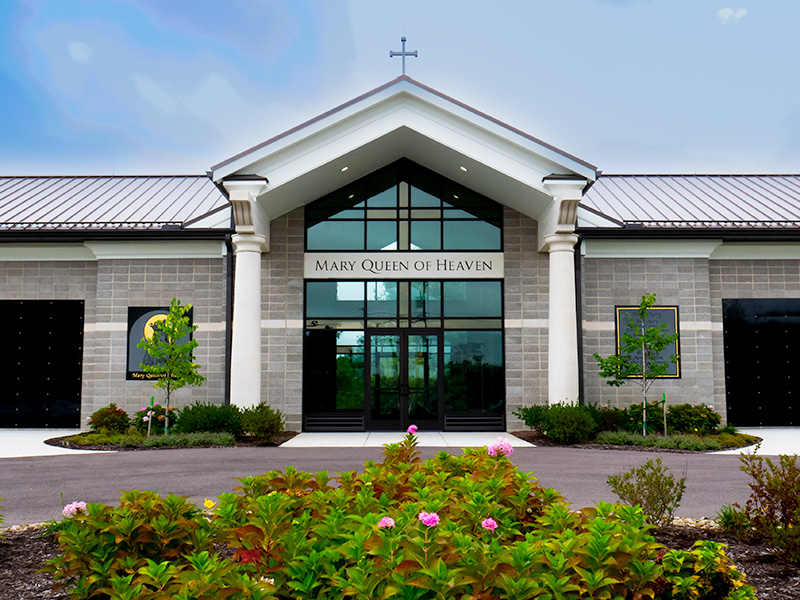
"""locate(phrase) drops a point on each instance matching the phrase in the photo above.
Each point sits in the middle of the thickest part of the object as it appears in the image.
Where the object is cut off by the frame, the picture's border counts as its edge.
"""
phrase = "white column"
(562, 323)
(246, 348)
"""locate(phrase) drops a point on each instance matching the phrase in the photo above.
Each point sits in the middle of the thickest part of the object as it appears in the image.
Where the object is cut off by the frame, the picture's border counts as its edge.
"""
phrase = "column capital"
(249, 242)
(248, 216)
(562, 215)
(560, 242)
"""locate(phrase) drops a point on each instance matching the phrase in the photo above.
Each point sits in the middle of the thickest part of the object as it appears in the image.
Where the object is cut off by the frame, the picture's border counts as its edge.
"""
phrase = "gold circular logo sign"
(148, 327)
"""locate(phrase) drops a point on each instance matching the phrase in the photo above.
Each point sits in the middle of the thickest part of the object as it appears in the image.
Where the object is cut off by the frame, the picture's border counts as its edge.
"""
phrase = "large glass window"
(334, 369)
(474, 380)
(404, 207)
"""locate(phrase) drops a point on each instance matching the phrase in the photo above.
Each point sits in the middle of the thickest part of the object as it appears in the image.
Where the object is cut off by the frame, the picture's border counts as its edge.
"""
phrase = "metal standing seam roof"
(698, 201)
(106, 202)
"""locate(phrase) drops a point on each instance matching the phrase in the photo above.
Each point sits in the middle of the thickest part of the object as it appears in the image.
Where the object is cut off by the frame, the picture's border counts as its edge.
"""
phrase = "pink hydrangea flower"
(489, 524)
(429, 519)
(501, 447)
(145, 419)
(74, 508)
(88, 419)
(386, 522)
(144, 408)
(412, 429)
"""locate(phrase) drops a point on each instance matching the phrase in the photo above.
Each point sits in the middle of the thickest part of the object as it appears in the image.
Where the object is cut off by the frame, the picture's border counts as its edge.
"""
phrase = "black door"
(43, 355)
(404, 379)
(761, 339)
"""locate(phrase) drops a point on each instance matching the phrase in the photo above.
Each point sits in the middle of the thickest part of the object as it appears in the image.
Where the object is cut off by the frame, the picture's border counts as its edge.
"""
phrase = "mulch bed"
(243, 442)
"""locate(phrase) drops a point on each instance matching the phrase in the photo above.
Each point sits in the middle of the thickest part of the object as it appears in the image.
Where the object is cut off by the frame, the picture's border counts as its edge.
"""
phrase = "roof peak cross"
(403, 53)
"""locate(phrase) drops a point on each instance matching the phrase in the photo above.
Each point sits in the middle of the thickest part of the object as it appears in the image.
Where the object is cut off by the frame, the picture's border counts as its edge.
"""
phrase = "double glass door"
(405, 382)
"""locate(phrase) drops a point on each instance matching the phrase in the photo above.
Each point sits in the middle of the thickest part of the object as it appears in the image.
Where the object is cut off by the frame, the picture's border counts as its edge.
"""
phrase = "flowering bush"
(501, 447)
(109, 419)
(687, 418)
(70, 510)
(470, 526)
(155, 414)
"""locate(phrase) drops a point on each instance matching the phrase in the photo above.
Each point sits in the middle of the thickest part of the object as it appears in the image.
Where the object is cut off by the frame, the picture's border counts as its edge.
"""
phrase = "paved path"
(32, 487)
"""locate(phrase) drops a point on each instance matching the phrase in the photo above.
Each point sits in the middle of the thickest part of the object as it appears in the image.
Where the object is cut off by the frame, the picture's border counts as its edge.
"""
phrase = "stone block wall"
(282, 318)
(526, 290)
(682, 282)
(122, 283)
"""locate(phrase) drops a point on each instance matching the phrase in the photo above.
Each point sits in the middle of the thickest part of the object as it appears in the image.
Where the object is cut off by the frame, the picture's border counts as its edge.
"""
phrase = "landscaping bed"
(540, 439)
(240, 442)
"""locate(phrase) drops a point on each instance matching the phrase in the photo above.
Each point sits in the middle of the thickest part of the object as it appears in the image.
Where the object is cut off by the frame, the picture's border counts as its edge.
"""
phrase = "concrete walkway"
(30, 442)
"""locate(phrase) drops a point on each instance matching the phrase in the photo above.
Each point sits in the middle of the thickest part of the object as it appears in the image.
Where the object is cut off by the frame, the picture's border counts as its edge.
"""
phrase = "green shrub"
(156, 416)
(262, 422)
(199, 438)
(652, 487)
(533, 416)
(734, 440)
(688, 418)
(674, 442)
(728, 429)
(210, 417)
(562, 423)
(489, 531)
(110, 419)
(130, 439)
(774, 504)
(733, 519)
(632, 421)
(608, 418)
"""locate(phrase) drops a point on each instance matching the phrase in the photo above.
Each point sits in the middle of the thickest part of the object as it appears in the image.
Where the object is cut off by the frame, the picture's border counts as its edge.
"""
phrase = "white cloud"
(80, 52)
(731, 15)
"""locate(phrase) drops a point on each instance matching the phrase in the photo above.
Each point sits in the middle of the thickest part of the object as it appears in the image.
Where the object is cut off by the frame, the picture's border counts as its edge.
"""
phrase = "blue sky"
(175, 86)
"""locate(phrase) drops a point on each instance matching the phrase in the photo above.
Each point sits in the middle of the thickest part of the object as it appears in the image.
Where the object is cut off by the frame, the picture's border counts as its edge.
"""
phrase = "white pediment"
(405, 119)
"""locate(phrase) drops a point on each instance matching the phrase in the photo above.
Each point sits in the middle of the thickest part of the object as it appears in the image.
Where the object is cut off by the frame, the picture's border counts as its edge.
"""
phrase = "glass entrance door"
(404, 381)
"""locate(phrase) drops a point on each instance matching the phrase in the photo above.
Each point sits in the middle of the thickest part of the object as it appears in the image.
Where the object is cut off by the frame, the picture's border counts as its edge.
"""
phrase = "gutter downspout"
(229, 281)
(579, 317)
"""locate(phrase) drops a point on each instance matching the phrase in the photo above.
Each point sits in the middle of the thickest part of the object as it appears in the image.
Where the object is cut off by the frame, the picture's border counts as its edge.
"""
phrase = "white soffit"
(404, 119)
(760, 251)
(649, 249)
(157, 249)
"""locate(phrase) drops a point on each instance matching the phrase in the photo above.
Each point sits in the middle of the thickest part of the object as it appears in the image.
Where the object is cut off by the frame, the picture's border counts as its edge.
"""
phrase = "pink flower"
(500, 448)
(489, 524)
(88, 419)
(710, 407)
(429, 519)
(386, 522)
(74, 508)
(145, 419)
(144, 408)
(412, 429)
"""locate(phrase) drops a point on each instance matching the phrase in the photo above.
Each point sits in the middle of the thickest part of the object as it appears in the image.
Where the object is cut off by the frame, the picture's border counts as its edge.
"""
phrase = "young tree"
(175, 366)
(637, 358)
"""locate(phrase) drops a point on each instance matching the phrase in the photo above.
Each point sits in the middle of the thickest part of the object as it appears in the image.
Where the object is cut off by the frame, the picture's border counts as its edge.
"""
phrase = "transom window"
(404, 207)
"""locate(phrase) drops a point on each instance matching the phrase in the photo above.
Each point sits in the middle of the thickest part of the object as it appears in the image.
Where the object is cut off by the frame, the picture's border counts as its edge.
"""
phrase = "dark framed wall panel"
(44, 358)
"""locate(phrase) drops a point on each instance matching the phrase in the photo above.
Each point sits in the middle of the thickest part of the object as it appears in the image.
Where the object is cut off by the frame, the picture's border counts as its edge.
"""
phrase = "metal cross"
(403, 53)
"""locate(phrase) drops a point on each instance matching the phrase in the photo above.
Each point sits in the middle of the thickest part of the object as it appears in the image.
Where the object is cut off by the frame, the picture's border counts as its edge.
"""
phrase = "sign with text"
(143, 322)
(403, 265)
(628, 321)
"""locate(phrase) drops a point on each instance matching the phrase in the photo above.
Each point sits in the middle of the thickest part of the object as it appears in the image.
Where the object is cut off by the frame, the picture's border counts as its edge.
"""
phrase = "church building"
(402, 258)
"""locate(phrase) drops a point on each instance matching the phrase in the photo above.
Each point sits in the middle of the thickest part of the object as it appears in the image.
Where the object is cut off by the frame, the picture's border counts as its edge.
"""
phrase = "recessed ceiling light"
(350, 196)
(454, 196)
(464, 169)
(344, 169)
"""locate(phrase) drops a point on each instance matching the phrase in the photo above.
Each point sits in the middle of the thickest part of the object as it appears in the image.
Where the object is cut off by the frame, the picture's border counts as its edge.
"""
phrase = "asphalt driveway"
(32, 487)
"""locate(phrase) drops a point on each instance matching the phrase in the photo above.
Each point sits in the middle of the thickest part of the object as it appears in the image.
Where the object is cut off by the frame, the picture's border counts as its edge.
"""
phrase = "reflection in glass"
(384, 377)
(381, 235)
(334, 370)
(473, 371)
(426, 299)
(336, 235)
(381, 299)
(426, 235)
(332, 299)
(471, 235)
(473, 299)
(423, 377)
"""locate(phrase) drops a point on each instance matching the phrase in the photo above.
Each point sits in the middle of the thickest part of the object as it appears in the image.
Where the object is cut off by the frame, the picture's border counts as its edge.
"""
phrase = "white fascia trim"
(376, 107)
(45, 252)
(756, 251)
(649, 249)
(157, 249)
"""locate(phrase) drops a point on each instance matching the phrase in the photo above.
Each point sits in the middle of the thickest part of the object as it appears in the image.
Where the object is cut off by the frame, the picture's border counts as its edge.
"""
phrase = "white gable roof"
(404, 118)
